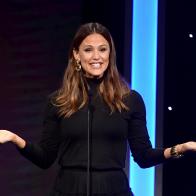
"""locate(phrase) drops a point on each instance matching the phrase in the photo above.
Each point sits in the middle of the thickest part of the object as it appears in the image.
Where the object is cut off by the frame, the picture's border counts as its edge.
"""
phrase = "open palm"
(6, 136)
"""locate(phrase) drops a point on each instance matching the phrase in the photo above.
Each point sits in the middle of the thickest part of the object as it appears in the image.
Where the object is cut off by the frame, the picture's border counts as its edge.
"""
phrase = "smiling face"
(93, 54)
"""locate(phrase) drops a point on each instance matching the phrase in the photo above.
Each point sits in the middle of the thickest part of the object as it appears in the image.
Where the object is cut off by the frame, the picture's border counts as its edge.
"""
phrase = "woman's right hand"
(8, 136)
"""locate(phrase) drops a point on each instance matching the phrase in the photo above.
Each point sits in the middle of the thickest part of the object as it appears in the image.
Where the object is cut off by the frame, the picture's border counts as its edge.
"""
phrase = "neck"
(86, 75)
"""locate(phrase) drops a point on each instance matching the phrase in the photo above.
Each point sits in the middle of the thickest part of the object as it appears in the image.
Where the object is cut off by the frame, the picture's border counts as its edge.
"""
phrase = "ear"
(76, 55)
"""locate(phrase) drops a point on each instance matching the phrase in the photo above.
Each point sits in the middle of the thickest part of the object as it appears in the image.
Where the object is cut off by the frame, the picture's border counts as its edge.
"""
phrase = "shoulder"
(52, 96)
(135, 101)
(50, 103)
(134, 96)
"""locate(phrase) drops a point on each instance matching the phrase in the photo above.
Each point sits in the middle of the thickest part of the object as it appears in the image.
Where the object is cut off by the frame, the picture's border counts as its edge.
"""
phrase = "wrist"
(176, 151)
(18, 141)
(14, 138)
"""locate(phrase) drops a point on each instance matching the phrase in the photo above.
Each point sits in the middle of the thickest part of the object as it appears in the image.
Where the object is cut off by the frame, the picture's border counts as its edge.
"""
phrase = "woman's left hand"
(188, 146)
(181, 149)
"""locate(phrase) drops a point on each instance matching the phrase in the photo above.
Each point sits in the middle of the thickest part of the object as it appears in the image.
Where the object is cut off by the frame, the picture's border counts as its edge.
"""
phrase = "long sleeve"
(44, 153)
(138, 137)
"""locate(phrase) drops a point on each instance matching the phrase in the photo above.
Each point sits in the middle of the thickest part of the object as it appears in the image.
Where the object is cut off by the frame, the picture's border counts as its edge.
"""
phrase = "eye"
(87, 49)
(103, 49)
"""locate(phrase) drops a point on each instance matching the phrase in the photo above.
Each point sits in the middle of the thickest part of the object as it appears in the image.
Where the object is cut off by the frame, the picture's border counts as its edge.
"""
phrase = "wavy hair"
(72, 95)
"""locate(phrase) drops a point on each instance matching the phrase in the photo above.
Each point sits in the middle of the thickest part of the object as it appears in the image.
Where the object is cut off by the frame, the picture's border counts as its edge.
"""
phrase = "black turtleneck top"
(66, 138)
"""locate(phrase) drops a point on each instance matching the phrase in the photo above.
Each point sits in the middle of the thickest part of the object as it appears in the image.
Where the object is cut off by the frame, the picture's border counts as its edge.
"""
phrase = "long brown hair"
(72, 95)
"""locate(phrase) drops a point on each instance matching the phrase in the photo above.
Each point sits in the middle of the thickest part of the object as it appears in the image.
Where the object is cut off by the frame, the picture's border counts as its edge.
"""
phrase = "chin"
(97, 74)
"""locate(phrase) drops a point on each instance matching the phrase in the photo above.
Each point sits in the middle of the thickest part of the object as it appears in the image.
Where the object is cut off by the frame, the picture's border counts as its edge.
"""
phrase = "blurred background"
(34, 40)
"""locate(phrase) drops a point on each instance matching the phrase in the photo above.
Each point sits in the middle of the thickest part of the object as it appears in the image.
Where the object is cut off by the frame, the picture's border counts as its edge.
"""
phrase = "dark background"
(34, 40)
(180, 93)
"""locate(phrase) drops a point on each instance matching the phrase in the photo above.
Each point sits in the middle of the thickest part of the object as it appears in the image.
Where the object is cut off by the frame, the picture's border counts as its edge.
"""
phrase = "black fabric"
(71, 181)
(110, 133)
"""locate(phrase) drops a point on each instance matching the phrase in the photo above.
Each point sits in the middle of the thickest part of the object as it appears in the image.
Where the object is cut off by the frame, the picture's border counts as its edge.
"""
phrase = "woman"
(89, 120)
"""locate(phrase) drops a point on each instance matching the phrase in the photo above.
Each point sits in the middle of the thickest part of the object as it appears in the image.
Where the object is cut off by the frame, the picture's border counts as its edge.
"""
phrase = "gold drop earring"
(78, 66)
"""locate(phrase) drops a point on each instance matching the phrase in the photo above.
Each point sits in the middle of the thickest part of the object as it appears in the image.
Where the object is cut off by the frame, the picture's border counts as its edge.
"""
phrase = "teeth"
(96, 65)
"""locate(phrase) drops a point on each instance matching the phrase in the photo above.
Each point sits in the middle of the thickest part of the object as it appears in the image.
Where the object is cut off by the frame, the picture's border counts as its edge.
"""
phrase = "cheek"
(85, 56)
(106, 59)
(84, 62)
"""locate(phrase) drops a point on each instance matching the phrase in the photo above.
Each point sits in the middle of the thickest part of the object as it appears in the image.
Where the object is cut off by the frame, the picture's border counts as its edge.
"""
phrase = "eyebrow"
(88, 45)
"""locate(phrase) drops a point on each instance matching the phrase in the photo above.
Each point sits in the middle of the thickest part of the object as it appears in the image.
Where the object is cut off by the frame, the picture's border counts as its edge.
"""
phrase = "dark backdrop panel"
(34, 39)
(180, 81)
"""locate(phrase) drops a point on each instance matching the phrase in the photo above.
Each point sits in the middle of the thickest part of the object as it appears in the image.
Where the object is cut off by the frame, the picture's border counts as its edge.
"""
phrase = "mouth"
(95, 65)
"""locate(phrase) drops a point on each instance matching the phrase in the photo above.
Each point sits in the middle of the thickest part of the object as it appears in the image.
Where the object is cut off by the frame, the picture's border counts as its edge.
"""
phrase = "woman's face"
(93, 55)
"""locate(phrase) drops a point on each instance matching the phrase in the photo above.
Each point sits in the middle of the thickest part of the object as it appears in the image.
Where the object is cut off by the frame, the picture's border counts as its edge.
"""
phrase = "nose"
(96, 54)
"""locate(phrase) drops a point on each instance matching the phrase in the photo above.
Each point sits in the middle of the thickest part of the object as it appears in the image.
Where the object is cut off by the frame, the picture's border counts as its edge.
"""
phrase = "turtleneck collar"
(93, 83)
